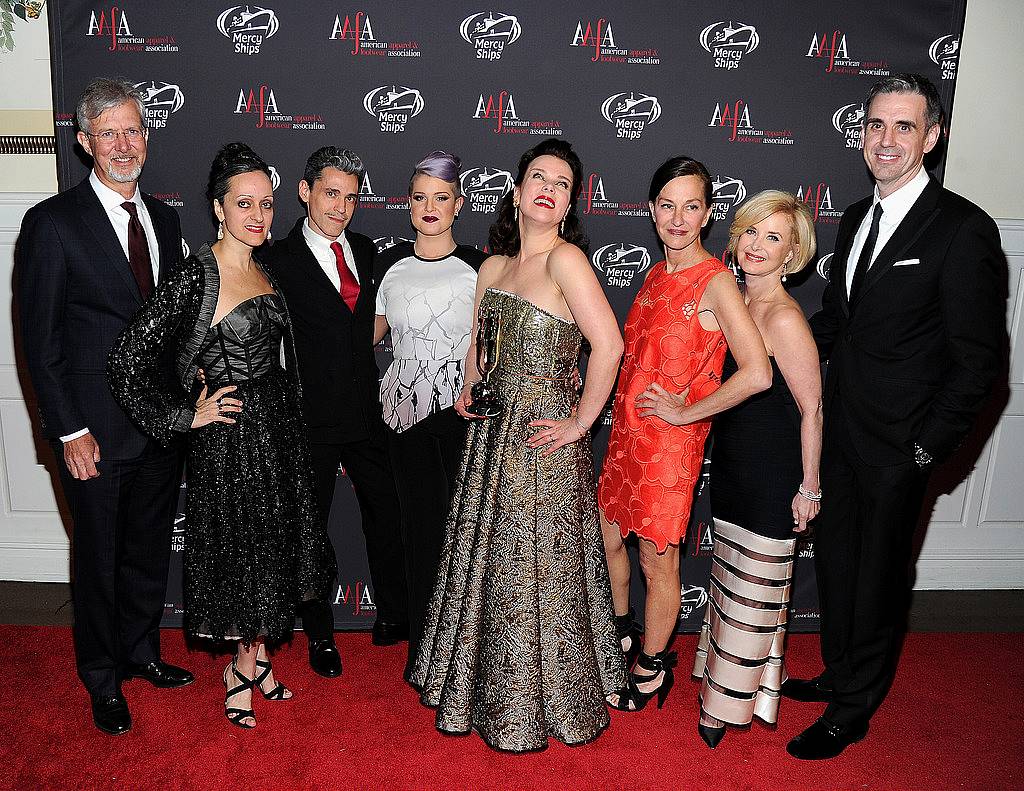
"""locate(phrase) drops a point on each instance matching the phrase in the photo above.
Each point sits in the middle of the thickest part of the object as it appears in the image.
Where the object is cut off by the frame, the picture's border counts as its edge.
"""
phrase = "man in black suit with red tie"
(913, 327)
(326, 275)
(86, 260)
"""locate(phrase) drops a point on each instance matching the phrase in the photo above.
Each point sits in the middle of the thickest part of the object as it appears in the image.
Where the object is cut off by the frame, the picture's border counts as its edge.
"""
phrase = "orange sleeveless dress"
(651, 467)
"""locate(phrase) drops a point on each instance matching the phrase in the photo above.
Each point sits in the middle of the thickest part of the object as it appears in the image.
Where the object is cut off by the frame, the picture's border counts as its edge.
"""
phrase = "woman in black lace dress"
(255, 544)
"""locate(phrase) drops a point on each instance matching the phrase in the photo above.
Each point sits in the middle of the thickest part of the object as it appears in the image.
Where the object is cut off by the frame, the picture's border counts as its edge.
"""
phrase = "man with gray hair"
(325, 272)
(912, 326)
(86, 260)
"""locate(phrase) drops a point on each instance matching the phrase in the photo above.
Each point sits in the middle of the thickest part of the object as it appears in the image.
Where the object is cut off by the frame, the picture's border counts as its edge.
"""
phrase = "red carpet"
(953, 720)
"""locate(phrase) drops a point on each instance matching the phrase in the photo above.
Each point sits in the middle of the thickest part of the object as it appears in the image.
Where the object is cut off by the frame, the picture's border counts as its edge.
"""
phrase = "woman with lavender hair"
(425, 298)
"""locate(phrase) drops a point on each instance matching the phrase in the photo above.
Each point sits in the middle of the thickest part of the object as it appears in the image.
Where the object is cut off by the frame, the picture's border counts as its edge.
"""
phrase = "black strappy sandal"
(236, 715)
(279, 690)
(630, 698)
(626, 628)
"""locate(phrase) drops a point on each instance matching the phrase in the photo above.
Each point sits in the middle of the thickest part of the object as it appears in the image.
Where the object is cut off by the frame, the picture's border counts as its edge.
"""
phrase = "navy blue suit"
(74, 293)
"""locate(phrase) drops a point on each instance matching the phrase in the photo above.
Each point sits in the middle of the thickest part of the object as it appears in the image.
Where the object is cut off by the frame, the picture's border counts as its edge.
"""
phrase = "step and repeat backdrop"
(767, 95)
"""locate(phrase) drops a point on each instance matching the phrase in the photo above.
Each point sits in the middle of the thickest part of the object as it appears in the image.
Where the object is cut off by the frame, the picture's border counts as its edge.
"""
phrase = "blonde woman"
(764, 474)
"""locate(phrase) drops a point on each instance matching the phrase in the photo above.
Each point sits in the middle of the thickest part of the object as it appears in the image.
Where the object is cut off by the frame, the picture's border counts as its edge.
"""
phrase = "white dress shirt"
(894, 208)
(320, 246)
(119, 217)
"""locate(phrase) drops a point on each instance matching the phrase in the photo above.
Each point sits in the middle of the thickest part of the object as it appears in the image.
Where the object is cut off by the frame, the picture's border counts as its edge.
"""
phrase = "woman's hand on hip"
(656, 401)
(215, 408)
(554, 434)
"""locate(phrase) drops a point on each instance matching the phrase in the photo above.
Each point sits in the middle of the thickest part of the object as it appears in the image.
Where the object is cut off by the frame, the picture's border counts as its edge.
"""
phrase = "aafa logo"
(726, 192)
(831, 46)
(393, 105)
(247, 26)
(260, 101)
(275, 178)
(594, 199)
(384, 242)
(848, 120)
(160, 100)
(186, 251)
(357, 597)
(598, 35)
(621, 262)
(692, 598)
(824, 265)
(945, 53)
(490, 32)
(630, 113)
(735, 116)
(113, 24)
(705, 543)
(593, 192)
(728, 42)
(818, 198)
(356, 29)
(485, 187)
(501, 110)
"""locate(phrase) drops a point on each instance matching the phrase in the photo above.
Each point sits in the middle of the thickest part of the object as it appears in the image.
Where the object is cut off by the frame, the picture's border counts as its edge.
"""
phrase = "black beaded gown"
(255, 543)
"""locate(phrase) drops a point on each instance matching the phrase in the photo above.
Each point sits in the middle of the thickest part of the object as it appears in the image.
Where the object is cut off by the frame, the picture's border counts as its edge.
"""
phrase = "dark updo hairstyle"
(674, 168)
(504, 235)
(232, 160)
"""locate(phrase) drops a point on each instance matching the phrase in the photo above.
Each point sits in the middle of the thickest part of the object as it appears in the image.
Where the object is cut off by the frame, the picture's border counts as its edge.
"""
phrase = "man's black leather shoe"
(387, 633)
(160, 674)
(811, 690)
(110, 713)
(825, 739)
(324, 658)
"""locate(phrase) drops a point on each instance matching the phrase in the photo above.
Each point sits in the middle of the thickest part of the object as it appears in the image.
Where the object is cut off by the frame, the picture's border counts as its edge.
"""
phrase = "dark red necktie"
(138, 251)
(349, 284)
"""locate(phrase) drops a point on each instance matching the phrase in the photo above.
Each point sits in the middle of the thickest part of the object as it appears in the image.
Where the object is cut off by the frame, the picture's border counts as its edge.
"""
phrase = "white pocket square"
(908, 262)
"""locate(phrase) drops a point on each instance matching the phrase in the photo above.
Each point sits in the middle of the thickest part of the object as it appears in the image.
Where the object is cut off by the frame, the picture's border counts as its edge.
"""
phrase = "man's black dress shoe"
(825, 739)
(811, 690)
(324, 658)
(388, 633)
(160, 674)
(110, 713)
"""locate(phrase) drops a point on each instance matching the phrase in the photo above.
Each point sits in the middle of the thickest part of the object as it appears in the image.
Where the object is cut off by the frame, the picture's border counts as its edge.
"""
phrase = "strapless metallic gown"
(520, 642)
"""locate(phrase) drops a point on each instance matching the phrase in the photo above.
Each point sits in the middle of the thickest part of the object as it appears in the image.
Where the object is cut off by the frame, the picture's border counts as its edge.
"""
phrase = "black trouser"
(426, 461)
(863, 548)
(368, 468)
(121, 545)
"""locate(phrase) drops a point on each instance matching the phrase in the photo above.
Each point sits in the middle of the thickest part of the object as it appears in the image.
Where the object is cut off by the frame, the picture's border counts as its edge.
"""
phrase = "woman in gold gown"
(520, 641)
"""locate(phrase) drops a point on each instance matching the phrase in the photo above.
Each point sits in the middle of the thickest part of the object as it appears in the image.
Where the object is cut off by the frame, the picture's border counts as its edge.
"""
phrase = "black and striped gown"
(255, 544)
(756, 468)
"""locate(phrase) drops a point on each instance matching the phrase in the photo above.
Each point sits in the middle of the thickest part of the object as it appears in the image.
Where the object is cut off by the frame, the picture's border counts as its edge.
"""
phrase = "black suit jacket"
(914, 357)
(333, 345)
(75, 292)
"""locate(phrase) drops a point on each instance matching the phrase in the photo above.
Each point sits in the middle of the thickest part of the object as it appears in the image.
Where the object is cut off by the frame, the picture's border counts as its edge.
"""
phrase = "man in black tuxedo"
(912, 326)
(326, 275)
(86, 260)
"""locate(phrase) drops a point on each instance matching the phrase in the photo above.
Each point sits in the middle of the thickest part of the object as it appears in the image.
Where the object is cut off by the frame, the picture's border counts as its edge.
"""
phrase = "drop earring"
(517, 211)
(561, 227)
(784, 273)
(220, 230)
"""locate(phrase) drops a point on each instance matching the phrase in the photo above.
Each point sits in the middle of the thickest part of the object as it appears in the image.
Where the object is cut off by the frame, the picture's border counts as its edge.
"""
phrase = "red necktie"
(349, 284)
(138, 251)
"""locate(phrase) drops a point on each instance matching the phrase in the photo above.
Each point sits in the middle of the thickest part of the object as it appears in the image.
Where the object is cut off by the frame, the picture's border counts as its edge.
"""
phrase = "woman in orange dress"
(687, 311)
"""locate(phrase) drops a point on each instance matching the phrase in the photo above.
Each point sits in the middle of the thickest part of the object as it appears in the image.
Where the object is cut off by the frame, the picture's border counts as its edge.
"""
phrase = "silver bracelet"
(807, 494)
(579, 425)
